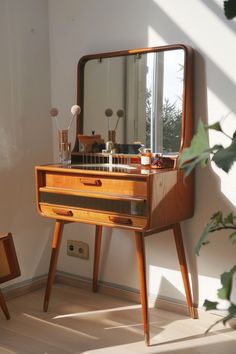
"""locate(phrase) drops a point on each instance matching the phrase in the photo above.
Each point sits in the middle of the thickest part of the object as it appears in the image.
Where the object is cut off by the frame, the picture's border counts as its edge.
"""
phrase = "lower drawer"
(130, 206)
(91, 217)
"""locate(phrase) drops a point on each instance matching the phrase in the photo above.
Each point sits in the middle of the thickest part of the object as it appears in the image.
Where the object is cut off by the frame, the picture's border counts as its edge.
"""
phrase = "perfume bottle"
(146, 157)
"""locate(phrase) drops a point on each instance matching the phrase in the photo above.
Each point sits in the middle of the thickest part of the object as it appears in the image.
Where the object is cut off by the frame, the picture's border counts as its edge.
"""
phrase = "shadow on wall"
(206, 193)
(217, 81)
(218, 11)
(166, 287)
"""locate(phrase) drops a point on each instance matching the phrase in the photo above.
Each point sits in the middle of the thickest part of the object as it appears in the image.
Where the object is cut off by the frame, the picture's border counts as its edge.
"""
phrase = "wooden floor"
(79, 321)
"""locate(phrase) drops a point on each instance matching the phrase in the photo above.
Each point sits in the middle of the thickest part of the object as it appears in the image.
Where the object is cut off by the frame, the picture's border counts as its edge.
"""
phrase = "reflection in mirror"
(147, 87)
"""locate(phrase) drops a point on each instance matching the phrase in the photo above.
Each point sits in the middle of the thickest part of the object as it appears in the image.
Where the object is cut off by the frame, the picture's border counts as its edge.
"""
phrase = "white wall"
(77, 28)
(25, 129)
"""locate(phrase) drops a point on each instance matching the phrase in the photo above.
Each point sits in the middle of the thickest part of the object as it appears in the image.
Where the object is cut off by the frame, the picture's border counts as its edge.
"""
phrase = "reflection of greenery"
(148, 118)
(171, 117)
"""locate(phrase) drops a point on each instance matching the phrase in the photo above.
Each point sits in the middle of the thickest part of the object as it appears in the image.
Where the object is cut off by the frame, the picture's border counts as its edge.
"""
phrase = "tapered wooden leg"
(56, 242)
(183, 268)
(140, 253)
(97, 249)
(4, 306)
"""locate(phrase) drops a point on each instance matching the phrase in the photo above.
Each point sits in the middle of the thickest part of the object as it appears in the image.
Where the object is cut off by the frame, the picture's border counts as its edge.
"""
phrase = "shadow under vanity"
(128, 99)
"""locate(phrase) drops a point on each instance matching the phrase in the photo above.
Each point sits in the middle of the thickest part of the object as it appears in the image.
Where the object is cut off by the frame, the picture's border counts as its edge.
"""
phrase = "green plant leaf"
(215, 126)
(217, 218)
(203, 239)
(229, 219)
(232, 310)
(210, 305)
(213, 225)
(198, 145)
(230, 9)
(197, 152)
(226, 281)
(188, 166)
(225, 157)
(232, 237)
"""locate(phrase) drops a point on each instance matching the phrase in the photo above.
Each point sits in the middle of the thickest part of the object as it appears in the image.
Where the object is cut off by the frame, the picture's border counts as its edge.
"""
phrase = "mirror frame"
(187, 121)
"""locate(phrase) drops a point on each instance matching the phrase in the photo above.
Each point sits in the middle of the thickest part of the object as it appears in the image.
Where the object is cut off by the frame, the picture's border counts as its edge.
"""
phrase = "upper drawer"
(96, 184)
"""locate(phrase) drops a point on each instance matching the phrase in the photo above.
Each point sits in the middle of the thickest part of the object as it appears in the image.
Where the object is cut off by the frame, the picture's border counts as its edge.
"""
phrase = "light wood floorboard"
(79, 321)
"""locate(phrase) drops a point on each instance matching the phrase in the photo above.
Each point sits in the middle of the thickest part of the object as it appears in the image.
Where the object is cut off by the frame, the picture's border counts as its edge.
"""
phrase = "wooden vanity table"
(145, 201)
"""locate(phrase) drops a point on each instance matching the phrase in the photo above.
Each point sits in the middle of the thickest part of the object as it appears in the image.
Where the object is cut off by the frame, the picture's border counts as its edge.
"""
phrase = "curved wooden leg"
(56, 242)
(140, 253)
(4, 306)
(97, 249)
(183, 268)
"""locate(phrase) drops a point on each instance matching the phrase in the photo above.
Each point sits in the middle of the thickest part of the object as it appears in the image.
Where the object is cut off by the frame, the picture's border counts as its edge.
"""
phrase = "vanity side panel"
(171, 198)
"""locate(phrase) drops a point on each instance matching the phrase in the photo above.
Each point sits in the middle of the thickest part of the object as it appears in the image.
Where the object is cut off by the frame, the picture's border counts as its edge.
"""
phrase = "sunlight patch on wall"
(168, 282)
(208, 289)
(154, 38)
(215, 45)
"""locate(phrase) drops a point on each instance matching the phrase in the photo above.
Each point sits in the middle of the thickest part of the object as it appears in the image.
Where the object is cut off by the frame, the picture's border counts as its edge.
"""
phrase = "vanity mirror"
(151, 88)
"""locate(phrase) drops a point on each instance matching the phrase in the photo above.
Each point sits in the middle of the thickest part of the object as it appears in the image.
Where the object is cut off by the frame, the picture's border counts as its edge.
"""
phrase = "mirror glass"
(144, 93)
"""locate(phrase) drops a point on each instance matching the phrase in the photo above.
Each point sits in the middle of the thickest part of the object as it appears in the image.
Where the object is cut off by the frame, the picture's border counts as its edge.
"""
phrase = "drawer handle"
(91, 182)
(62, 212)
(120, 220)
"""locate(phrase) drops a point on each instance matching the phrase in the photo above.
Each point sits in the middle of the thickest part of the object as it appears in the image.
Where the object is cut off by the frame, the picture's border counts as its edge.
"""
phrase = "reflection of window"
(135, 97)
(172, 118)
(155, 89)
(148, 87)
(164, 87)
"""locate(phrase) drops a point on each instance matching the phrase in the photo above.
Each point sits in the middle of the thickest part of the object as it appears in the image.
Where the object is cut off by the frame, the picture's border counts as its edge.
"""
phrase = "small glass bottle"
(146, 157)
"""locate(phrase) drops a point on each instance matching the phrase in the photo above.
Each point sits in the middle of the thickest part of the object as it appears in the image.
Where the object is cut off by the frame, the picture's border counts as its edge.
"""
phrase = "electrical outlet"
(78, 249)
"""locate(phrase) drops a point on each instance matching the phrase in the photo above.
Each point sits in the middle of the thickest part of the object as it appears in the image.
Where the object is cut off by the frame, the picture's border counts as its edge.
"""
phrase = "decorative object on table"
(90, 143)
(160, 161)
(146, 156)
(64, 145)
(9, 267)
(112, 132)
(120, 114)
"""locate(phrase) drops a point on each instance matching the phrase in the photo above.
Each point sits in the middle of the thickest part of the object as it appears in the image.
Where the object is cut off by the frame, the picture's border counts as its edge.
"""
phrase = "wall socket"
(78, 249)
